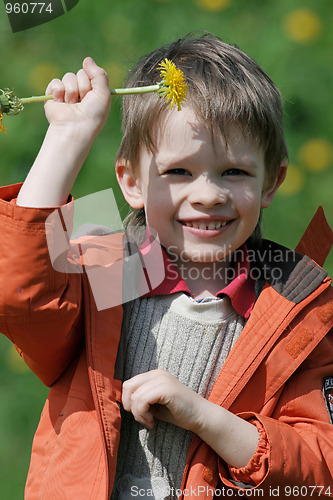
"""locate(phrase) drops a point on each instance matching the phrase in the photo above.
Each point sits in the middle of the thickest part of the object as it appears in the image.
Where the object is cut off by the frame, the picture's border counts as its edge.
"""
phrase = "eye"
(177, 171)
(235, 172)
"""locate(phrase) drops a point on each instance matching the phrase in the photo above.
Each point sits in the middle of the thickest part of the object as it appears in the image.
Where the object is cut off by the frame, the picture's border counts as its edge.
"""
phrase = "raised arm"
(77, 113)
(40, 308)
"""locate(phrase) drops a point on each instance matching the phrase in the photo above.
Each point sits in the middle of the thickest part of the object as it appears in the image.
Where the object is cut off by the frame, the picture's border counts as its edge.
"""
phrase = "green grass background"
(116, 33)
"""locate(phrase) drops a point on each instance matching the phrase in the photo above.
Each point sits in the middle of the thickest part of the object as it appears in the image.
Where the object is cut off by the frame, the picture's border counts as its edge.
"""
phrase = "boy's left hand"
(159, 394)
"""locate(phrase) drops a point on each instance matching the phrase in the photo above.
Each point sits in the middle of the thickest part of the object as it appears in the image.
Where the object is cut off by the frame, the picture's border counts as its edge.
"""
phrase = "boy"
(223, 363)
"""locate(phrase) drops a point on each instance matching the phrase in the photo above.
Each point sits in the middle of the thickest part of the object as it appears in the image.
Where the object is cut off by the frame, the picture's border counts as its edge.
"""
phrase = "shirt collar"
(240, 290)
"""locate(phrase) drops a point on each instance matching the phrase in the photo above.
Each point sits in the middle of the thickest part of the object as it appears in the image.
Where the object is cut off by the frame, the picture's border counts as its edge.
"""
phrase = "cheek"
(248, 201)
(161, 198)
(158, 208)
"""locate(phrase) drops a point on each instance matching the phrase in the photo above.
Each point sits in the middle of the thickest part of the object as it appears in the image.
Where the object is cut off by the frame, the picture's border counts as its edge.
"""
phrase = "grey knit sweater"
(191, 340)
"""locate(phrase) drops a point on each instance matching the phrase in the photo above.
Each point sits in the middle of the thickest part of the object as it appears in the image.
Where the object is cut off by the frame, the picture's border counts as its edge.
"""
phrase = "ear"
(129, 184)
(268, 195)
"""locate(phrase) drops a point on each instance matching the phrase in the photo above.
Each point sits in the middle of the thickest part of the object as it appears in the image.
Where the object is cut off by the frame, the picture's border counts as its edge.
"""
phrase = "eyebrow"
(244, 162)
(172, 162)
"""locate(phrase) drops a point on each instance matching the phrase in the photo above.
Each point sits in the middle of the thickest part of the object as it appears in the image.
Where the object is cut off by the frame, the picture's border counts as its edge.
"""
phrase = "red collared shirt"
(240, 290)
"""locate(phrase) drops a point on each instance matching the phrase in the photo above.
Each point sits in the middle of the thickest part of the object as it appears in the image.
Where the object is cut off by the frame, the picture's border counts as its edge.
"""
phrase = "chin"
(205, 257)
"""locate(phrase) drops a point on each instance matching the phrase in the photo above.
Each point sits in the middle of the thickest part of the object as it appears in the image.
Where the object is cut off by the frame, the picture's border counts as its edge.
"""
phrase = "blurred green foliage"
(291, 39)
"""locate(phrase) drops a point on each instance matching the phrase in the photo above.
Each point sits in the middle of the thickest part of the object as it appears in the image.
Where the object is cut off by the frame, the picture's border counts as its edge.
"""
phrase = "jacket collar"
(317, 240)
(241, 290)
(291, 274)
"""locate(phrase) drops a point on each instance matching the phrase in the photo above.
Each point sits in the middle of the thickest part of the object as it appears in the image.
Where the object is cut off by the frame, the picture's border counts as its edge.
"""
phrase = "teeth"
(203, 225)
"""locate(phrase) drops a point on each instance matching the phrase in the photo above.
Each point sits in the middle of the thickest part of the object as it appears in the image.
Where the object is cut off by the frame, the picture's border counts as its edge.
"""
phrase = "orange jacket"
(273, 375)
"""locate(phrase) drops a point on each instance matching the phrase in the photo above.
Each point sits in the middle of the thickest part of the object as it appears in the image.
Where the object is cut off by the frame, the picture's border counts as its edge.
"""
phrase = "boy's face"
(203, 198)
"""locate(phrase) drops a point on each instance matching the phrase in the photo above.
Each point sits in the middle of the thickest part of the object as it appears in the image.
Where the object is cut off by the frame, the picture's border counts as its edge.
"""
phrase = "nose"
(206, 192)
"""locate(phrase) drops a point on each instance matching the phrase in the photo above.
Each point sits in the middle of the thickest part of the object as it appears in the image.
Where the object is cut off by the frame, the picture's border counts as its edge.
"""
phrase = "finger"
(71, 88)
(132, 389)
(98, 76)
(84, 84)
(141, 406)
(131, 385)
(146, 376)
(140, 400)
(56, 88)
(143, 414)
(139, 409)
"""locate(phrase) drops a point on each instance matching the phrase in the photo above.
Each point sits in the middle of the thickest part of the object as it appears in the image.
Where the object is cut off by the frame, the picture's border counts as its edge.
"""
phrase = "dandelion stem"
(136, 90)
(133, 90)
(35, 98)
(172, 87)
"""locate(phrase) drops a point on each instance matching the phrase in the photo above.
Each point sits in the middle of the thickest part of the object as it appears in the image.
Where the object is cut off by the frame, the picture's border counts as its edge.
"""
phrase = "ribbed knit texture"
(191, 340)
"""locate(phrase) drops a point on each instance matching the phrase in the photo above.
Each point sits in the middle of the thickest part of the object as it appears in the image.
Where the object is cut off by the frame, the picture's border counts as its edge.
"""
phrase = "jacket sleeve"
(39, 306)
(295, 445)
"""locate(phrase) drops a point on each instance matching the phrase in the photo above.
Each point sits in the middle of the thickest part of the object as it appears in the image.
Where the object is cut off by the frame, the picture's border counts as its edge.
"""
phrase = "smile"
(206, 225)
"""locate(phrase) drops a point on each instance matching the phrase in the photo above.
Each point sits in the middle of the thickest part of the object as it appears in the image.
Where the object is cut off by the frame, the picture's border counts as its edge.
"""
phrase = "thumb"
(97, 76)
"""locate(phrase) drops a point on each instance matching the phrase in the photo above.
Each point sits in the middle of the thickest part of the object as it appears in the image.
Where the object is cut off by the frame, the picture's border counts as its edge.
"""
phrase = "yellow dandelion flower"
(302, 25)
(293, 183)
(316, 154)
(214, 5)
(173, 86)
(2, 128)
(41, 74)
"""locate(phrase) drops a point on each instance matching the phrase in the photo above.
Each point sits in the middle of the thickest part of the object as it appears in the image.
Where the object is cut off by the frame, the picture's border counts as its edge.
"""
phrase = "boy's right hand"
(82, 100)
